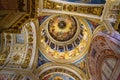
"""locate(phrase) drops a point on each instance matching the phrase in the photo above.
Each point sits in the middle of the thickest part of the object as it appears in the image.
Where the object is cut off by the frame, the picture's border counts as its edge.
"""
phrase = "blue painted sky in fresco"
(41, 59)
(87, 1)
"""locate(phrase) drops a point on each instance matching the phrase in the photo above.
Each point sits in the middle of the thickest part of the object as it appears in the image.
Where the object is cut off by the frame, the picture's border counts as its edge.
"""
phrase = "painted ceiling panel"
(87, 1)
(64, 37)
(56, 46)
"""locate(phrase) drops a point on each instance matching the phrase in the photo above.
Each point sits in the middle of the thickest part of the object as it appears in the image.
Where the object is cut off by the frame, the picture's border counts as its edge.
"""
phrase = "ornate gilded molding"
(6, 41)
(117, 24)
(16, 28)
(23, 6)
(100, 28)
(27, 6)
(22, 47)
(53, 68)
(83, 9)
(33, 9)
(31, 46)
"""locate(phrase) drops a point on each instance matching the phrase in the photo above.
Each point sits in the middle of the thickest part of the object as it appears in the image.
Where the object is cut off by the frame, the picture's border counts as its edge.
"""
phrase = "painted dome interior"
(62, 27)
(67, 42)
(60, 40)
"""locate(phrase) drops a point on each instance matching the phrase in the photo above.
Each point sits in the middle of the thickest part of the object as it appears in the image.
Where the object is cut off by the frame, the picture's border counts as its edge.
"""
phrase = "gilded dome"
(64, 37)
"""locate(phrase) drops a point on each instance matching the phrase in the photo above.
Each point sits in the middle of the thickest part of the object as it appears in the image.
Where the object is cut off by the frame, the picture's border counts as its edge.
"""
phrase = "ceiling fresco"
(62, 28)
(87, 1)
(103, 54)
(41, 59)
(59, 72)
(64, 37)
(57, 76)
(60, 40)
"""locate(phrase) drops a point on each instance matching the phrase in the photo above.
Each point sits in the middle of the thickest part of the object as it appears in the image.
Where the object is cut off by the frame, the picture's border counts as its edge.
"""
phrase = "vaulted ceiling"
(60, 39)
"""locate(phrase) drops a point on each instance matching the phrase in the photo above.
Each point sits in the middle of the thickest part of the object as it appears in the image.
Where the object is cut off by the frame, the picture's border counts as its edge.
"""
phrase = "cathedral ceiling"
(59, 40)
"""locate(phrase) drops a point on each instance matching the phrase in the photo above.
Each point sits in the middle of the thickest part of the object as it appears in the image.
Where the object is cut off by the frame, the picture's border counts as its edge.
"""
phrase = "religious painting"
(62, 28)
(20, 38)
(57, 76)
